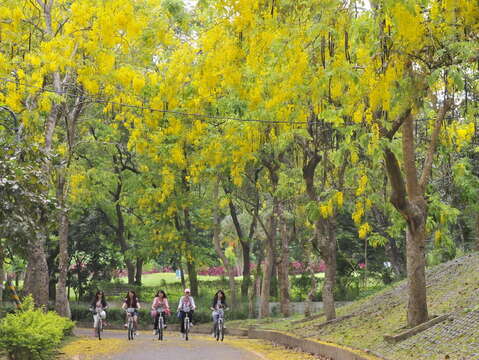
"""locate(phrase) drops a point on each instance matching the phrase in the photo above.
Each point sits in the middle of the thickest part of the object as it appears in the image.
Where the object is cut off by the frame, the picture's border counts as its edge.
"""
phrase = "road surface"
(146, 347)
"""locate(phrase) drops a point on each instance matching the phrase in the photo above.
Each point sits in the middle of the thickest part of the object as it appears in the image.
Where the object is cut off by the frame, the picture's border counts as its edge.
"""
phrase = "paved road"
(145, 347)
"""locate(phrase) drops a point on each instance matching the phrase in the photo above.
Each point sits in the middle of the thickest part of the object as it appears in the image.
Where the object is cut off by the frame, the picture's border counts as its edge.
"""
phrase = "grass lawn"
(170, 278)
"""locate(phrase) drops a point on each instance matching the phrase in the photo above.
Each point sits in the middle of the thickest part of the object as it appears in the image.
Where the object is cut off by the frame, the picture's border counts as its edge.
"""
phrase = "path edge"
(316, 347)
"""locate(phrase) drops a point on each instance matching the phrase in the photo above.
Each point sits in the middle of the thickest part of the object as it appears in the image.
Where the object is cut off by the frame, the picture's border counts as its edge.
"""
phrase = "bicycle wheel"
(217, 332)
(160, 328)
(98, 328)
(187, 327)
(130, 329)
(222, 331)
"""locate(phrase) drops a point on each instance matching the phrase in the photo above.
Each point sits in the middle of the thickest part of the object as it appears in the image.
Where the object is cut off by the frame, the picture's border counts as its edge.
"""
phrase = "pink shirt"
(157, 303)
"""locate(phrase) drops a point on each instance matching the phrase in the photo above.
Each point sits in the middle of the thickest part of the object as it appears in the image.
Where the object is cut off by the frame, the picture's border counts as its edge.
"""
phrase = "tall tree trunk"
(395, 257)
(120, 228)
(408, 198)
(416, 272)
(192, 276)
(314, 283)
(327, 245)
(246, 283)
(190, 259)
(252, 296)
(139, 270)
(37, 278)
(269, 245)
(283, 269)
(131, 269)
(62, 305)
(182, 275)
(2, 273)
(217, 244)
(245, 248)
(477, 232)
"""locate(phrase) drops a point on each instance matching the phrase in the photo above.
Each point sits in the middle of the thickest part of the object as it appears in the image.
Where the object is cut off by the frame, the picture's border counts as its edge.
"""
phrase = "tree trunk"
(245, 248)
(395, 257)
(477, 232)
(314, 285)
(327, 244)
(268, 262)
(246, 283)
(283, 270)
(130, 266)
(2, 274)
(217, 244)
(139, 271)
(62, 305)
(192, 276)
(416, 271)
(251, 298)
(182, 275)
(190, 261)
(37, 278)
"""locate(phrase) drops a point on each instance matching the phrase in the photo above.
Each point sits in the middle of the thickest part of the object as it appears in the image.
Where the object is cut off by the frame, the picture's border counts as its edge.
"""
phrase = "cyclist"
(186, 306)
(132, 302)
(219, 302)
(159, 302)
(98, 302)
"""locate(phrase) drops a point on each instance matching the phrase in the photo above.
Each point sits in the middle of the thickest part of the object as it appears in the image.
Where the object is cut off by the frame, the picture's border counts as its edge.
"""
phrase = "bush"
(32, 334)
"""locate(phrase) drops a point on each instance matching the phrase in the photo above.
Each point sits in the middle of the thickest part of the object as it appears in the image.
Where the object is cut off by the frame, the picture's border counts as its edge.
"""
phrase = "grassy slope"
(452, 287)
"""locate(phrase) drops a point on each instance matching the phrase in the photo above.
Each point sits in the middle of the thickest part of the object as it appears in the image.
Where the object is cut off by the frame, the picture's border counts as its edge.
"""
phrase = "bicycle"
(99, 323)
(161, 324)
(131, 323)
(220, 325)
(187, 323)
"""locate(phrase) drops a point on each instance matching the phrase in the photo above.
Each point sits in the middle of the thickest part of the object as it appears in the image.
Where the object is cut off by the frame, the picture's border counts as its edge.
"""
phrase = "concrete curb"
(416, 330)
(333, 351)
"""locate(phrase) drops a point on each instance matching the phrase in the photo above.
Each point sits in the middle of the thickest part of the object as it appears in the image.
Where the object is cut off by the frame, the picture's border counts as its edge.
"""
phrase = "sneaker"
(125, 325)
(164, 326)
(182, 336)
(213, 334)
(155, 332)
(137, 333)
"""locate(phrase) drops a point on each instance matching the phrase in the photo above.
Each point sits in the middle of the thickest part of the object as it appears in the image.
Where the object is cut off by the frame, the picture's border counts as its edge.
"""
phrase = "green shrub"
(32, 334)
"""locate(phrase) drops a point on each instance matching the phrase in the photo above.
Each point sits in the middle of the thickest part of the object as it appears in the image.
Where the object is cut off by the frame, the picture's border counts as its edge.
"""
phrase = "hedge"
(32, 334)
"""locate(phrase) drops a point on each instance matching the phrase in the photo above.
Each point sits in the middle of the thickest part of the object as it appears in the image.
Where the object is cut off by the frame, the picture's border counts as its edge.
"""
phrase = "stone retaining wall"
(332, 351)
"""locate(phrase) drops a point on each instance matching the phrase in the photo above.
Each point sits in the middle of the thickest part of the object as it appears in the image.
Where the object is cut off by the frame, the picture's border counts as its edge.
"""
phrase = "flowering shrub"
(32, 333)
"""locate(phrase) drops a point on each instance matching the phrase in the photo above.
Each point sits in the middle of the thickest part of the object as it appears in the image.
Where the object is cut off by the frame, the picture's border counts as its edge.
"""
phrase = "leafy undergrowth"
(91, 348)
(452, 287)
(269, 351)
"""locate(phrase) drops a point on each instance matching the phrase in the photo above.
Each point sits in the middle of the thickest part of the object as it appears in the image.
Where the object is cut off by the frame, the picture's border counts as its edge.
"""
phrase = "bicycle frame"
(99, 323)
(187, 325)
(131, 323)
(161, 322)
(219, 326)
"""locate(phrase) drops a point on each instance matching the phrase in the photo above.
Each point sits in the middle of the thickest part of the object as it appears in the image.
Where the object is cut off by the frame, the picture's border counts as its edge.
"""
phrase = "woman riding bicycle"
(98, 306)
(160, 303)
(132, 302)
(186, 306)
(219, 303)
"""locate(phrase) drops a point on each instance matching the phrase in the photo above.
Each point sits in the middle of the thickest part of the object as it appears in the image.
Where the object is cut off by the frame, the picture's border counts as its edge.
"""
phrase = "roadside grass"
(90, 348)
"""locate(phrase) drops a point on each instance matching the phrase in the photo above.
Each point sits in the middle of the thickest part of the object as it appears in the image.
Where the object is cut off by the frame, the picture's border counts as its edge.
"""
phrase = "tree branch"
(409, 154)
(426, 171)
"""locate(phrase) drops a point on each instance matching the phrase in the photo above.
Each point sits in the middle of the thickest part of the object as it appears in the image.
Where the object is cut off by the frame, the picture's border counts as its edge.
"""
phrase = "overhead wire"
(164, 111)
